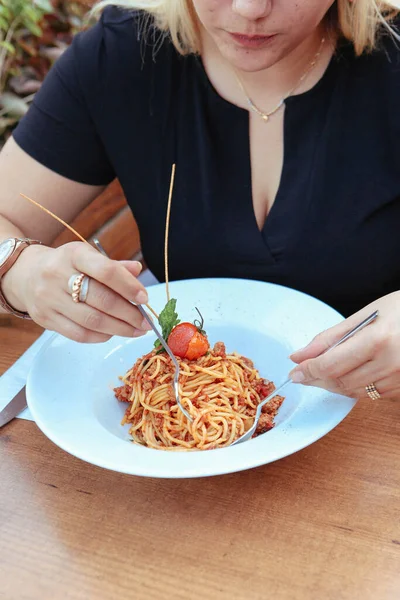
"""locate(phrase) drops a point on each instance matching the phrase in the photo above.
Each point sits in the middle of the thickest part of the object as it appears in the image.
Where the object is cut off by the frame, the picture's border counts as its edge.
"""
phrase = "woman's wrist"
(13, 283)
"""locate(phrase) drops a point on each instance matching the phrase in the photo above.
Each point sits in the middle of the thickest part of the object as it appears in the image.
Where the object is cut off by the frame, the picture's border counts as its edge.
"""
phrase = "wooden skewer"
(78, 235)
(171, 188)
(46, 210)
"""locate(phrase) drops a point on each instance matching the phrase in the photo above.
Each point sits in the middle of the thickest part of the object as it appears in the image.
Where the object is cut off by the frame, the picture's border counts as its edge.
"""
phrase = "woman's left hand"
(372, 356)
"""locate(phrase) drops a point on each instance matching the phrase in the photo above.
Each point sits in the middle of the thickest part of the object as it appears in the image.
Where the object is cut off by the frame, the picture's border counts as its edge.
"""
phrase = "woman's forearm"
(8, 229)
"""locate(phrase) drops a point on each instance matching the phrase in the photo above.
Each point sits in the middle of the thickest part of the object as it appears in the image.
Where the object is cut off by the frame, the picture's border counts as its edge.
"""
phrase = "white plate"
(69, 387)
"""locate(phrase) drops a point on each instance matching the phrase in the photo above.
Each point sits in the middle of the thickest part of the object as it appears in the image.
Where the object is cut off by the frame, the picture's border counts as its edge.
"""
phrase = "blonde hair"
(360, 21)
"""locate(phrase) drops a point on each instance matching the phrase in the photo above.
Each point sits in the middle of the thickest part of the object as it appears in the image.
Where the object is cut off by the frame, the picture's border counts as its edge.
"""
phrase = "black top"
(113, 105)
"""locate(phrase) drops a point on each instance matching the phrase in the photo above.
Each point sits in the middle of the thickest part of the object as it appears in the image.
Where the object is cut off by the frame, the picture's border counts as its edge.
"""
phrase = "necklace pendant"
(265, 116)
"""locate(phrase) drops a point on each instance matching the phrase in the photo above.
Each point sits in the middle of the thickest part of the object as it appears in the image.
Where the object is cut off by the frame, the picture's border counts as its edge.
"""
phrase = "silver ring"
(83, 294)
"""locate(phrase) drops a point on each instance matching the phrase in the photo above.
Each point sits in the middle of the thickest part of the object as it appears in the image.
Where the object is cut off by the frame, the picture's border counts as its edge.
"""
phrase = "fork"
(163, 343)
(249, 434)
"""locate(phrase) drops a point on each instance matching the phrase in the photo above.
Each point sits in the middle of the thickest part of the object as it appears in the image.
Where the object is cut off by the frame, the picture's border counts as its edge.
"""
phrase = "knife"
(14, 407)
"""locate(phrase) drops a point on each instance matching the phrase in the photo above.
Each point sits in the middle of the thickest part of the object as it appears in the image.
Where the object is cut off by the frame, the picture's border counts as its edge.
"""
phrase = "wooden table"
(320, 525)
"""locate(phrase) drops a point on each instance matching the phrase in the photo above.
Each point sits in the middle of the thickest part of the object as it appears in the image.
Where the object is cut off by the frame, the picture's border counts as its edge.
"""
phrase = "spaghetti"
(221, 392)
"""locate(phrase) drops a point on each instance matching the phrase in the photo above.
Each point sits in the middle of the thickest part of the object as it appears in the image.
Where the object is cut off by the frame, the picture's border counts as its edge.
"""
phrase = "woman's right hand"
(38, 283)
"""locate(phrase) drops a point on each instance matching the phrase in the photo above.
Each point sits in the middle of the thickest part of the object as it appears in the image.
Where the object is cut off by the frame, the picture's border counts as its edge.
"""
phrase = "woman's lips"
(251, 41)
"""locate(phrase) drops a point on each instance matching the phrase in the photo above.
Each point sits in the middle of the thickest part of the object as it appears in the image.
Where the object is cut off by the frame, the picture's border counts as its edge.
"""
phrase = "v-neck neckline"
(270, 235)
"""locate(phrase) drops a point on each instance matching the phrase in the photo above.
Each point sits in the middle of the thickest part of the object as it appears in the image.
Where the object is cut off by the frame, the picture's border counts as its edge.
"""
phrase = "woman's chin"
(248, 63)
(248, 60)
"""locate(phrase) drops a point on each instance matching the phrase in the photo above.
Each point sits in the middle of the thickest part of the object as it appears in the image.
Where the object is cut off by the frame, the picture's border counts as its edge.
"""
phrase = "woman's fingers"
(371, 357)
(103, 299)
(95, 320)
(73, 331)
(366, 374)
(336, 363)
(328, 338)
(110, 273)
(108, 308)
(133, 266)
(388, 388)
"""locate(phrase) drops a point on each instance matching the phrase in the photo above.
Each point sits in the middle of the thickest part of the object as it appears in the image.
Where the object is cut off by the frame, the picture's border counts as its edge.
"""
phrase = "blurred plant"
(33, 34)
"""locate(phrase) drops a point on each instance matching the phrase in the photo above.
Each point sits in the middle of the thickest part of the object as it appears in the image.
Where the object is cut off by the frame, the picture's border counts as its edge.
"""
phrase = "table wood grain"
(322, 524)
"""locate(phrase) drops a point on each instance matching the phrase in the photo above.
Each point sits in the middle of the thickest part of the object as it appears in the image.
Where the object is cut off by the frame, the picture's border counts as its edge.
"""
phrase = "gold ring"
(372, 392)
(76, 287)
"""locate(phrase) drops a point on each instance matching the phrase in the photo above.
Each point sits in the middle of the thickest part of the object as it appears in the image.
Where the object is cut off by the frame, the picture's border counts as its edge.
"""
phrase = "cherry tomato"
(186, 341)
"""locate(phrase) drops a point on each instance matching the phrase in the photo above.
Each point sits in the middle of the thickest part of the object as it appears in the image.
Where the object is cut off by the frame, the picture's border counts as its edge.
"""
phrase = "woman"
(282, 117)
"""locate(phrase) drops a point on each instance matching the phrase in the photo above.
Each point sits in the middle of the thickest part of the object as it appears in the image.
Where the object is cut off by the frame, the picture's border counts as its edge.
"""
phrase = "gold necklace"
(266, 115)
